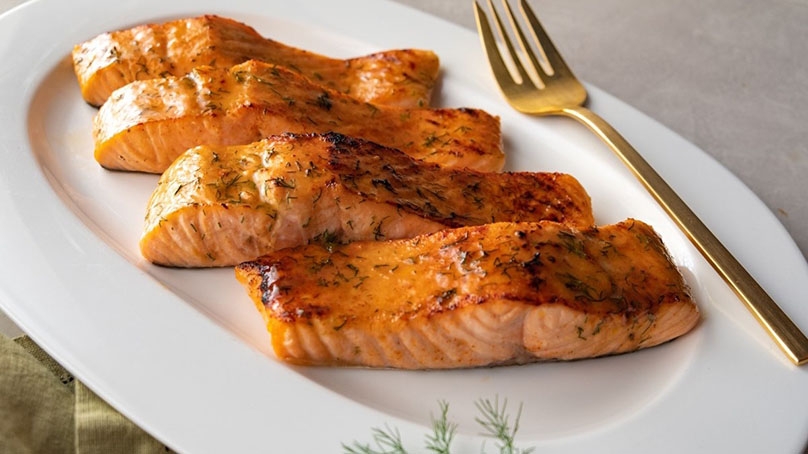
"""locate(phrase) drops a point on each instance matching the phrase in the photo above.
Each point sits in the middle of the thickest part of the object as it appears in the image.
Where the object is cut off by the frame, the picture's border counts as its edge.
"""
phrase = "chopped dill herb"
(573, 244)
(281, 182)
(324, 101)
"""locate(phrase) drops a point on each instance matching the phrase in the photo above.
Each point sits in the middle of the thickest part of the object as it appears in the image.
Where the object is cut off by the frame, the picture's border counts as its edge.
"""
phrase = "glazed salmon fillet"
(402, 77)
(220, 206)
(497, 294)
(145, 125)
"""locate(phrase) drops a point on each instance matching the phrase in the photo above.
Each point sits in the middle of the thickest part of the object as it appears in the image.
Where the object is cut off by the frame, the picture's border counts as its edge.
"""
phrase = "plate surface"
(184, 354)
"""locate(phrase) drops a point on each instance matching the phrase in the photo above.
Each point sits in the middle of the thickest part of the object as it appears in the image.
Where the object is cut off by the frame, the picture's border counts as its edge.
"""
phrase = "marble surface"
(731, 77)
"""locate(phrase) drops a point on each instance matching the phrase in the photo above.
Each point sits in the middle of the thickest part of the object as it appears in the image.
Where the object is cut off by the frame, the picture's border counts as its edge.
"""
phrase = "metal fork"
(560, 93)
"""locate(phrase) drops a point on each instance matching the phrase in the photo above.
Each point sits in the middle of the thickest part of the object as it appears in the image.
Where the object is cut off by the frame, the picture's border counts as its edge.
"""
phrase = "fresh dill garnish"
(493, 418)
(443, 431)
(496, 423)
(387, 441)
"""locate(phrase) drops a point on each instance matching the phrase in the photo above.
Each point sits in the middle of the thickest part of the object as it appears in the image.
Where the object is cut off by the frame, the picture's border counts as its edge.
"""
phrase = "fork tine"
(492, 50)
(498, 66)
(508, 43)
(552, 55)
(520, 36)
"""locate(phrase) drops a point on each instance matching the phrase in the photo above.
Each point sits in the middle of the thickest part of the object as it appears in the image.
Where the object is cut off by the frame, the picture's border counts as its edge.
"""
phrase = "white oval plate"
(184, 354)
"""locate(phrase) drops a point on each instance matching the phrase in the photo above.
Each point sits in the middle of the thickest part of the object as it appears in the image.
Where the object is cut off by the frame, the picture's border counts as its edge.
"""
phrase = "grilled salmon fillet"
(496, 294)
(145, 125)
(402, 77)
(219, 206)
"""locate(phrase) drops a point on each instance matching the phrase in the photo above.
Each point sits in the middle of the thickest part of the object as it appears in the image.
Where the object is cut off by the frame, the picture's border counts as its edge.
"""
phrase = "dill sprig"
(493, 418)
(443, 431)
(387, 440)
(496, 423)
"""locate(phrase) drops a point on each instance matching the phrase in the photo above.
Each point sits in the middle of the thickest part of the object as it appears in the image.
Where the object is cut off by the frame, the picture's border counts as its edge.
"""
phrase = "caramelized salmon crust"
(219, 206)
(503, 293)
(401, 77)
(147, 124)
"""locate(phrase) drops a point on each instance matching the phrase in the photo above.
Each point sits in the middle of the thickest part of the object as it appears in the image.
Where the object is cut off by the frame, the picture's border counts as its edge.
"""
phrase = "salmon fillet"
(219, 206)
(504, 293)
(402, 78)
(145, 125)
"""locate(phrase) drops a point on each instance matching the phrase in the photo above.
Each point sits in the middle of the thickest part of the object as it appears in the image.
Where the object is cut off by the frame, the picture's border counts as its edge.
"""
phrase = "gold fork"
(562, 94)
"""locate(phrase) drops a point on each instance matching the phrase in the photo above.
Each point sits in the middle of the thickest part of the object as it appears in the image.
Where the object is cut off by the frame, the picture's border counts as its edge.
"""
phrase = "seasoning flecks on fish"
(502, 293)
(401, 77)
(145, 125)
(219, 206)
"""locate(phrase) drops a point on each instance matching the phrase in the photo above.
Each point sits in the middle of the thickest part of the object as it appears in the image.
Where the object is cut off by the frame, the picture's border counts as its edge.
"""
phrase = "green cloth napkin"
(44, 410)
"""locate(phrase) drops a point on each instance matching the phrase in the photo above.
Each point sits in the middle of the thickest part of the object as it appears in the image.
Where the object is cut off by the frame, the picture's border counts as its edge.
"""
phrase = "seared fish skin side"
(220, 206)
(402, 77)
(145, 125)
(495, 294)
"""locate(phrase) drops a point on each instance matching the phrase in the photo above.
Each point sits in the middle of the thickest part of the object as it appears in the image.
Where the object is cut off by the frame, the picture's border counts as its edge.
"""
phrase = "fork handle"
(779, 326)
